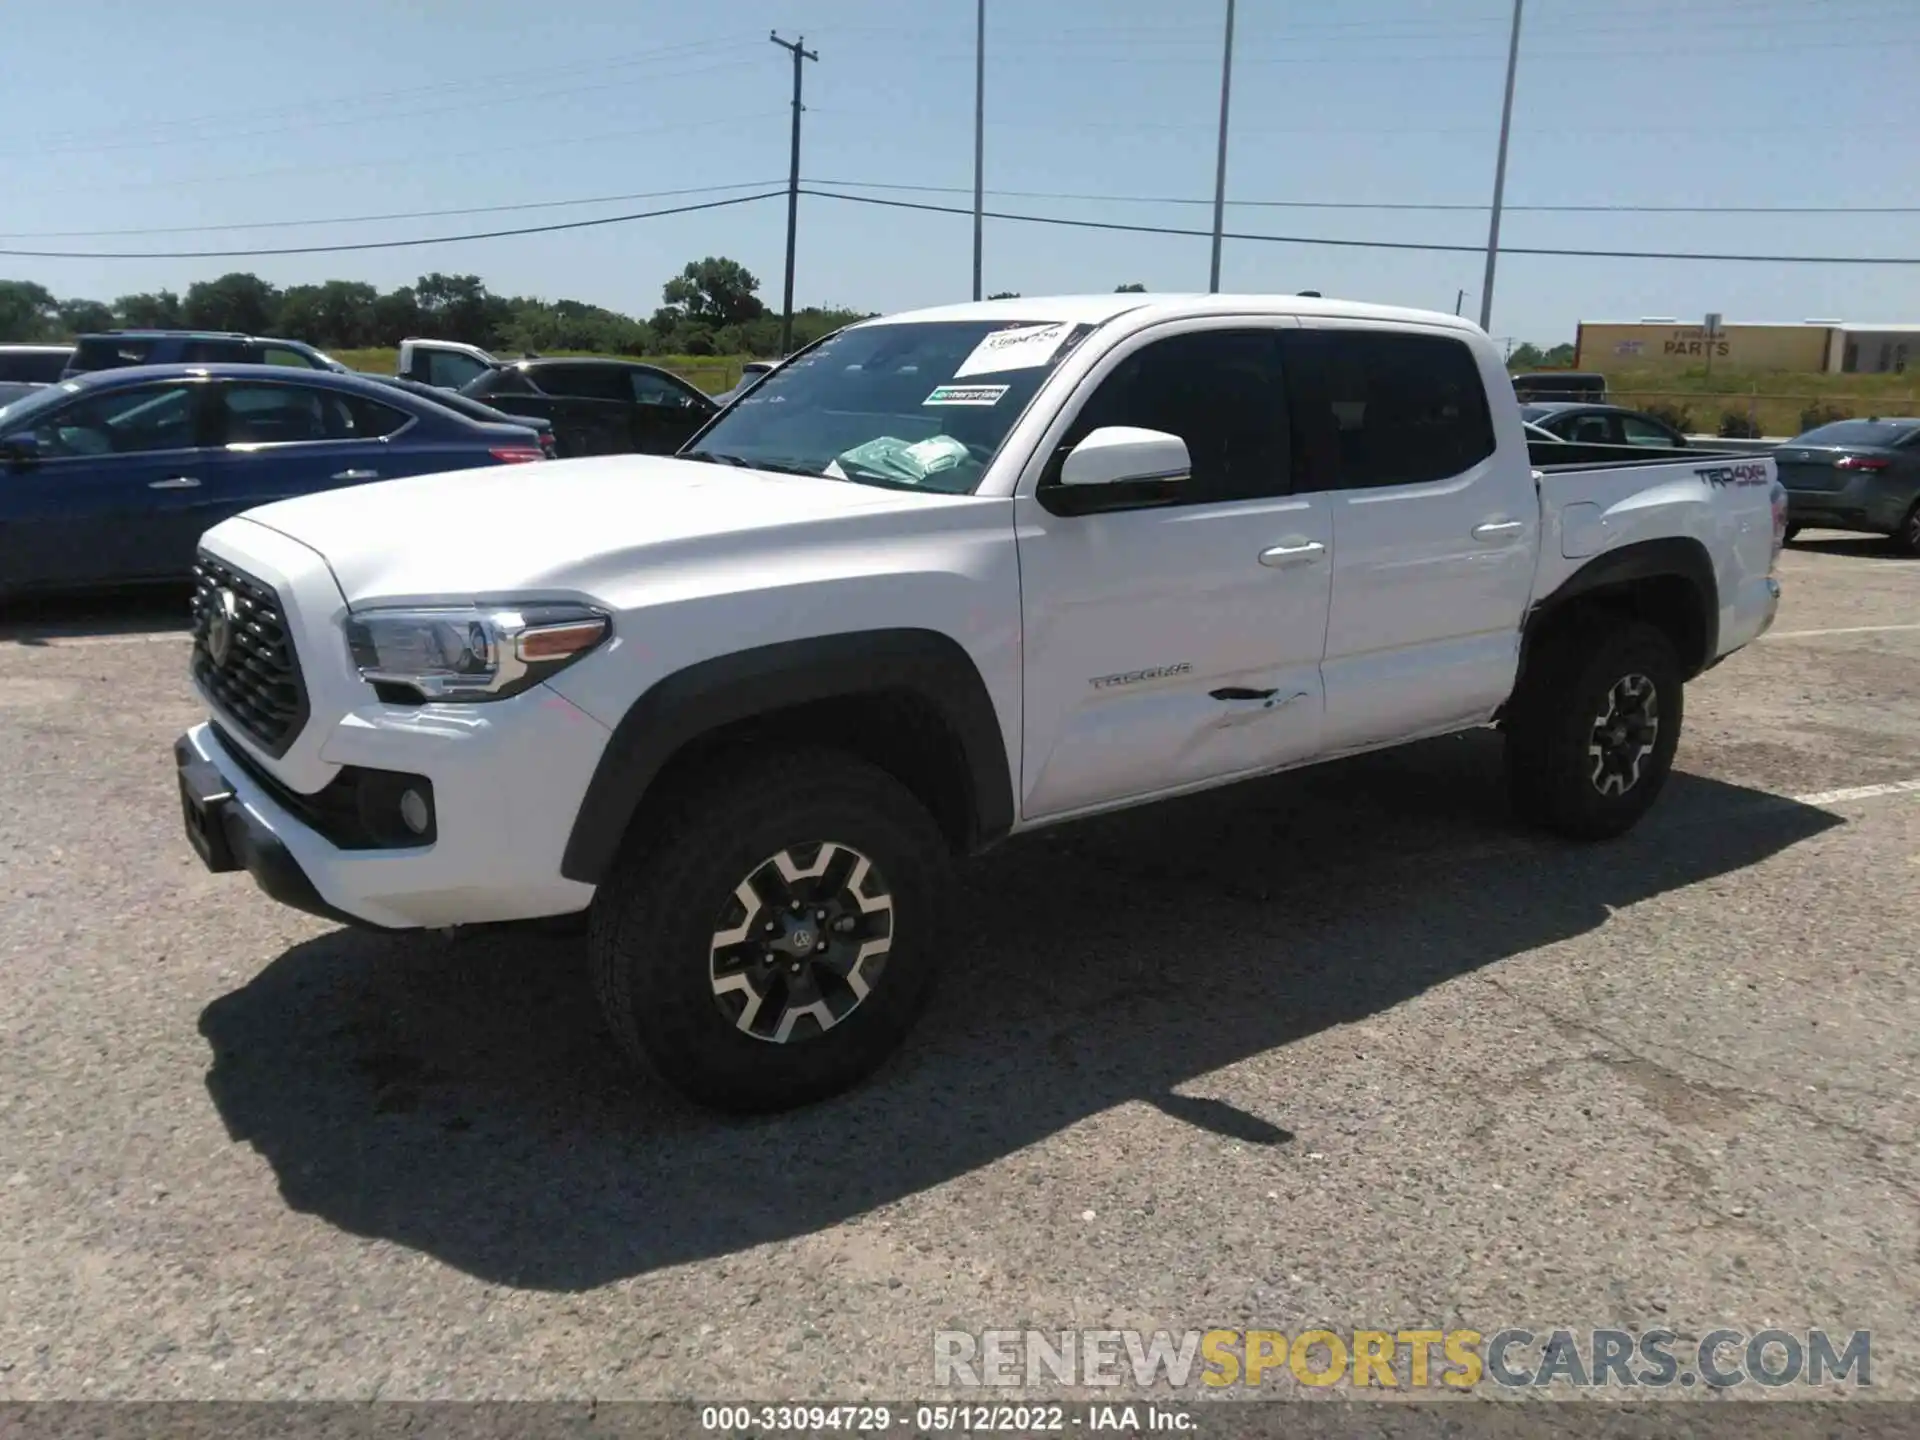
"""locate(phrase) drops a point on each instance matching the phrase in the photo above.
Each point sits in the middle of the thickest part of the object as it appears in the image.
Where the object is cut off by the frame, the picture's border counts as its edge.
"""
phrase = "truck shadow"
(462, 1099)
(36, 619)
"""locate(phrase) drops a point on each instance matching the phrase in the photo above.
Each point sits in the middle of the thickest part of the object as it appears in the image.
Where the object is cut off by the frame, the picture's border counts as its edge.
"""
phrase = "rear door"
(1175, 644)
(666, 412)
(1435, 526)
(113, 494)
(592, 406)
(278, 439)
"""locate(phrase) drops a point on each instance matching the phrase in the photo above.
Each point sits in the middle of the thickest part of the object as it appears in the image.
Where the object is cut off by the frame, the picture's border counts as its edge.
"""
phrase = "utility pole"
(979, 132)
(1500, 172)
(1220, 169)
(800, 54)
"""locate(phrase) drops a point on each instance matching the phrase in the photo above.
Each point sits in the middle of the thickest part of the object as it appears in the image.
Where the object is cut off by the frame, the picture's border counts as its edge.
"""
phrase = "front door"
(1436, 526)
(110, 497)
(1178, 645)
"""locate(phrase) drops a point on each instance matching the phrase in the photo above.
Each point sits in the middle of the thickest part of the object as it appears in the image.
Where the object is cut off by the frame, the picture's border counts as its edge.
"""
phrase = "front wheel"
(1592, 738)
(778, 936)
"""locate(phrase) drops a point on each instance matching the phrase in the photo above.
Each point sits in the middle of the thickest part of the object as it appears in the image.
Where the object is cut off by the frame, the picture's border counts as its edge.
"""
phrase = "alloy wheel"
(1623, 735)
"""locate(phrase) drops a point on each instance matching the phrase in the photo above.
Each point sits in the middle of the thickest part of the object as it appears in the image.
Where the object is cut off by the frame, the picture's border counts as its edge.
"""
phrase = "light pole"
(1220, 169)
(979, 131)
(1500, 172)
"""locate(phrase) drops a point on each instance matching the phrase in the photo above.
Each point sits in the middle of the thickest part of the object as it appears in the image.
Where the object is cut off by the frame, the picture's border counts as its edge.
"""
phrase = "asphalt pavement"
(1341, 1048)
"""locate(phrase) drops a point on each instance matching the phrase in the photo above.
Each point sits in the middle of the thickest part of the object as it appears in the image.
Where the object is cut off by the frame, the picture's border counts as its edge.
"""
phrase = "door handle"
(357, 475)
(1240, 692)
(1498, 529)
(1280, 555)
(177, 482)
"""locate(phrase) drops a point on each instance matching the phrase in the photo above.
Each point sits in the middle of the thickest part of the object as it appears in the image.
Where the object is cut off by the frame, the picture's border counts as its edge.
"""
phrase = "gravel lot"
(1341, 1047)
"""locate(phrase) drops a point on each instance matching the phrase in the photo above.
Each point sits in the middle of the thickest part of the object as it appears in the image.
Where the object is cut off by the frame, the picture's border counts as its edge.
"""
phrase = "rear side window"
(450, 369)
(287, 355)
(1391, 407)
(109, 352)
(280, 415)
(585, 382)
(369, 419)
(39, 367)
(215, 352)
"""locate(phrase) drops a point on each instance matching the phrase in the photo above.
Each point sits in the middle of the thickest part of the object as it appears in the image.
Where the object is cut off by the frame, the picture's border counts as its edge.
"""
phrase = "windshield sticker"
(1026, 347)
(966, 395)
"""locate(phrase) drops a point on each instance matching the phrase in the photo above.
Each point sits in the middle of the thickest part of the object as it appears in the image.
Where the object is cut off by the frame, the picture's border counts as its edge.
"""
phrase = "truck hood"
(561, 526)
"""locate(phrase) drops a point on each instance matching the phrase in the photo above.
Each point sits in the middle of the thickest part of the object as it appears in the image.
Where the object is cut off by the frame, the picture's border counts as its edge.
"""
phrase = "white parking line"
(1839, 630)
(1860, 792)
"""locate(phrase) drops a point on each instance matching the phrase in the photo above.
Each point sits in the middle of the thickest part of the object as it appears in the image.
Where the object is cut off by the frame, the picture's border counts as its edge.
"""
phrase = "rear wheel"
(1592, 738)
(1907, 538)
(1793, 533)
(773, 942)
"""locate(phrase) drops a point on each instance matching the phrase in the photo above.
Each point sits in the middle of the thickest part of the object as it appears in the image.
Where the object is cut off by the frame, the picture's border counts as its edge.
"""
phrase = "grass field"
(712, 373)
(1772, 400)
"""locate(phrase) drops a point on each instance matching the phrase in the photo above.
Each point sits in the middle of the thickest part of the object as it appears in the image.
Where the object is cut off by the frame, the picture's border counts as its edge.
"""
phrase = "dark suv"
(114, 349)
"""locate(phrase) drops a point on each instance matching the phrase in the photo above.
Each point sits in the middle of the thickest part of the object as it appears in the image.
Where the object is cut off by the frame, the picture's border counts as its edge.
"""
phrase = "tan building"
(1609, 346)
(1809, 347)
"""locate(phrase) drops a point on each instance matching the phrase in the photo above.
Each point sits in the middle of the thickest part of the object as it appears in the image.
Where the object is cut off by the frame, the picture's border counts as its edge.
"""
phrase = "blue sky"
(176, 113)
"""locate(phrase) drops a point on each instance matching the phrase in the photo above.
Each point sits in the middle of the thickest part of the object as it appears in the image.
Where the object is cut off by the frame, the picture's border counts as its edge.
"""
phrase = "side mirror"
(1124, 455)
(17, 452)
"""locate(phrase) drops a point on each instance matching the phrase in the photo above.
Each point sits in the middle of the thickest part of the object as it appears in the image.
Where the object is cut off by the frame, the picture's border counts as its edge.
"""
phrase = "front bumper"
(504, 797)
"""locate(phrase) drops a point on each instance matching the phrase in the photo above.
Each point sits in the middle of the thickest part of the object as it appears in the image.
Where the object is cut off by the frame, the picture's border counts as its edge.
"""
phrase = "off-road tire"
(652, 935)
(1551, 772)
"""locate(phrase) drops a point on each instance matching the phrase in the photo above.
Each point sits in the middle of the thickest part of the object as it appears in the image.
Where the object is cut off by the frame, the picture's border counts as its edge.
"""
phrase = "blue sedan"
(111, 478)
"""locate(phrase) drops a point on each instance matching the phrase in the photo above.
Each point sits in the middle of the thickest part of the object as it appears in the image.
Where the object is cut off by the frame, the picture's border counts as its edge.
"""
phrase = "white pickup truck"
(942, 578)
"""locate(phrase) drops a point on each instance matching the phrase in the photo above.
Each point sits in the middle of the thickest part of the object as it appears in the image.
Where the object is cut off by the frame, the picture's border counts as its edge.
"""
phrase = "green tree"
(84, 317)
(158, 310)
(1526, 356)
(1560, 355)
(338, 313)
(713, 292)
(27, 311)
(458, 307)
(1132, 288)
(236, 301)
(396, 316)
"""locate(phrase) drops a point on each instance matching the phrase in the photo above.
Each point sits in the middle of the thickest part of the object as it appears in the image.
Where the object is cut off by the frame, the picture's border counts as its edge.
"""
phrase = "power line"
(1374, 244)
(1476, 206)
(389, 215)
(387, 244)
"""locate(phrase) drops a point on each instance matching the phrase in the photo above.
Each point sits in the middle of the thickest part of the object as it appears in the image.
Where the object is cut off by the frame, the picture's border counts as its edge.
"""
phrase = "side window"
(585, 382)
(278, 415)
(214, 352)
(1593, 430)
(368, 419)
(1644, 432)
(124, 422)
(652, 389)
(450, 369)
(1222, 392)
(1385, 407)
(285, 355)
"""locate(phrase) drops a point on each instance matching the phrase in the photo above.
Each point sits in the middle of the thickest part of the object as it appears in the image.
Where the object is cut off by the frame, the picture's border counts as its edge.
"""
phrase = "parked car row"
(111, 477)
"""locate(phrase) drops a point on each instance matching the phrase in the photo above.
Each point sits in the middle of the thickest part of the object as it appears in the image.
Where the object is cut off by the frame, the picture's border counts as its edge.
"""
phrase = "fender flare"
(1670, 557)
(710, 694)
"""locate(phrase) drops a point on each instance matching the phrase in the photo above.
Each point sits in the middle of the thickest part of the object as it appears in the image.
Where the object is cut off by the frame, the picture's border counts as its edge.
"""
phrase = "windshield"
(1860, 432)
(921, 406)
(28, 406)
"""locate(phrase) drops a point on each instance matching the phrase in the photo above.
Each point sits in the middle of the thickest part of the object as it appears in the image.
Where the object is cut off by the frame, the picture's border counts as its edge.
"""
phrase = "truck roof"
(1096, 309)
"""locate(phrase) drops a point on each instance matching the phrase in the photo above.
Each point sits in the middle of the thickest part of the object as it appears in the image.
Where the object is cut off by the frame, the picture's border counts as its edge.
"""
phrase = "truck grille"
(243, 656)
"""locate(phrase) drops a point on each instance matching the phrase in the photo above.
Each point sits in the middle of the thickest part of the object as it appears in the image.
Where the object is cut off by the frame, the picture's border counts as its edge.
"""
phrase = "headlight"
(471, 653)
